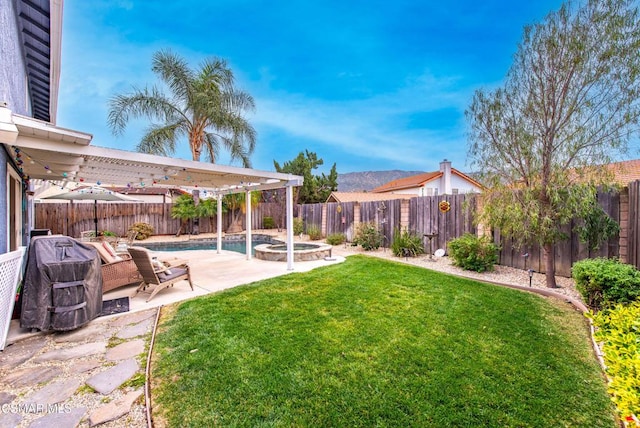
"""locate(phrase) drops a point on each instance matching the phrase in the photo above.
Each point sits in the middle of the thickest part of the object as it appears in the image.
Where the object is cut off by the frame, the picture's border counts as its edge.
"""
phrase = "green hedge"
(472, 253)
(606, 282)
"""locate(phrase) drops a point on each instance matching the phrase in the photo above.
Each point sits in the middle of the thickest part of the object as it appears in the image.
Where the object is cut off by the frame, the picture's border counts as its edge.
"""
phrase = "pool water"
(236, 245)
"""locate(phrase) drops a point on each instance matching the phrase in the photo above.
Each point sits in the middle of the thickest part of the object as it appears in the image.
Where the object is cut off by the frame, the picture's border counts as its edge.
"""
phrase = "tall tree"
(315, 188)
(570, 102)
(204, 107)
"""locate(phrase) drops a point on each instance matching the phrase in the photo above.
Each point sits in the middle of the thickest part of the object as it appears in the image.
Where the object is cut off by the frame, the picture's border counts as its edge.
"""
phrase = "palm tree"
(236, 204)
(184, 208)
(208, 208)
(204, 107)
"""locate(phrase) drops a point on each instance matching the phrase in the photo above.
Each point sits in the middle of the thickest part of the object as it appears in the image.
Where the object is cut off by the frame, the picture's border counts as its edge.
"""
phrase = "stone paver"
(73, 352)
(125, 350)
(84, 366)
(115, 409)
(108, 380)
(92, 331)
(134, 318)
(135, 330)
(30, 376)
(5, 398)
(55, 392)
(10, 420)
(62, 419)
(18, 353)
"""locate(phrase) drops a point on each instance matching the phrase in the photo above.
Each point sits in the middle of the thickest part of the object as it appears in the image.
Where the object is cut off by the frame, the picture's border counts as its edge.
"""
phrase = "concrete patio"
(210, 272)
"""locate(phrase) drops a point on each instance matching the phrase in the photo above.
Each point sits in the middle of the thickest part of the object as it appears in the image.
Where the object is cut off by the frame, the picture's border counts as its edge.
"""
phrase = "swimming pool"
(229, 243)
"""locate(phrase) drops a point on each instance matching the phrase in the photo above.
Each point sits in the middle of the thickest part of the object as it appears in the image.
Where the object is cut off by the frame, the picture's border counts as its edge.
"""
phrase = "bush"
(603, 283)
(336, 239)
(472, 253)
(268, 223)
(368, 236)
(314, 232)
(298, 226)
(618, 329)
(406, 244)
(144, 230)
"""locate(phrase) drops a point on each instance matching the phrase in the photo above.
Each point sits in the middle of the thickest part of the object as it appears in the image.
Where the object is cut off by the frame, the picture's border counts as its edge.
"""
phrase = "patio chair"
(118, 270)
(124, 243)
(162, 275)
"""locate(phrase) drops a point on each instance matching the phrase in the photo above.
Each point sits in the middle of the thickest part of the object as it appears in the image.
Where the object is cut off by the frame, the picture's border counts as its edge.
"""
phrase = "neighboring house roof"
(419, 181)
(626, 171)
(365, 196)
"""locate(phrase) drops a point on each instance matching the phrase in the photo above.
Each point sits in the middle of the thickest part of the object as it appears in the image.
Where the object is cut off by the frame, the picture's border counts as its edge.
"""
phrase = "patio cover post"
(219, 228)
(247, 204)
(289, 226)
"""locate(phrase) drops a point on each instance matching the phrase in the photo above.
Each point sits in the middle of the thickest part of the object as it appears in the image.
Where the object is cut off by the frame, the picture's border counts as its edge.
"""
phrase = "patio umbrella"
(95, 194)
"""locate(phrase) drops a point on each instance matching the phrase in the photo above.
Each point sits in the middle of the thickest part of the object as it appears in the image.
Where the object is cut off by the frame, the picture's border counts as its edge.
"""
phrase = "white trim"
(17, 205)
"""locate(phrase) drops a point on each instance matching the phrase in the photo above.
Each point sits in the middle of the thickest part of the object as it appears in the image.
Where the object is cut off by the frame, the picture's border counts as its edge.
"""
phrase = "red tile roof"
(626, 171)
(419, 181)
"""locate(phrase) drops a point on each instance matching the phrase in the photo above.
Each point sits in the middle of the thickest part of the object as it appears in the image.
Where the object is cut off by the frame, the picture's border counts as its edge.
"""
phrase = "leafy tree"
(569, 103)
(315, 188)
(184, 209)
(204, 106)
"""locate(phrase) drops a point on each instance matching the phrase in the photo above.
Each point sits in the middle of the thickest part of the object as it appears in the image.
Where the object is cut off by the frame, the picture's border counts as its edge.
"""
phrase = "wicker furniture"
(159, 274)
(117, 270)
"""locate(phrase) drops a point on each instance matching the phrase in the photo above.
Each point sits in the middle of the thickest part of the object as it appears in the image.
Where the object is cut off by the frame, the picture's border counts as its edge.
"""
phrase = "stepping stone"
(6, 398)
(64, 418)
(84, 366)
(133, 318)
(108, 380)
(55, 392)
(125, 350)
(19, 352)
(73, 352)
(114, 410)
(91, 331)
(135, 330)
(10, 420)
(31, 376)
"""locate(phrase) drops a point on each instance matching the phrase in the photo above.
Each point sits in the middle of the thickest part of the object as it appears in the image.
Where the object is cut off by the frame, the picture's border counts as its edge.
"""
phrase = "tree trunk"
(182, 225)
(550, 265)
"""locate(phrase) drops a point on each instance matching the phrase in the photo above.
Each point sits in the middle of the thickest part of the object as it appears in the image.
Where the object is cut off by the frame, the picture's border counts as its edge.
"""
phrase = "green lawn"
(372, 343)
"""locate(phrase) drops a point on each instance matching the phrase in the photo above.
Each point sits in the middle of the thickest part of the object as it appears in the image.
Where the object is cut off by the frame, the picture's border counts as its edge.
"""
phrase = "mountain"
(369, 180)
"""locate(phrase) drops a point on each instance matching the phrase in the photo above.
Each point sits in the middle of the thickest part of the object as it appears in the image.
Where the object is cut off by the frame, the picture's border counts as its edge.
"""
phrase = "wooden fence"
(420, 215)
(73, 218)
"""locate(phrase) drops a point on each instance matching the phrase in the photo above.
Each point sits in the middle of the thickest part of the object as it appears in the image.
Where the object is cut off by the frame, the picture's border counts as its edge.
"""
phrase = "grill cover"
(62, 285)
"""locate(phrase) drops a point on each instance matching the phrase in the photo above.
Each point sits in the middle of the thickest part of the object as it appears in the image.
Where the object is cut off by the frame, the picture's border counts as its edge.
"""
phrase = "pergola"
(47, 152)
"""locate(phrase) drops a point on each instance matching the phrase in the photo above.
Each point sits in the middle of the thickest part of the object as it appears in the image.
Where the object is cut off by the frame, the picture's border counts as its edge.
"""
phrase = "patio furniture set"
(126, 264)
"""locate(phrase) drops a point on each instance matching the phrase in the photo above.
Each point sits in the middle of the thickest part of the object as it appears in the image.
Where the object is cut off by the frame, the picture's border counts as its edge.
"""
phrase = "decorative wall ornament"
(444, 206)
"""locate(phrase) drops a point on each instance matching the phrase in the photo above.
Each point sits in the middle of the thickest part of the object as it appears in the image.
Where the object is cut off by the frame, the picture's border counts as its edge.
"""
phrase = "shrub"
(314, 232)
(618, 330)
(604, 282)
(268, 223)
(298, 226)
(336, 239)
(406, 244)
(144, 230)
(368, 236)
(472, 253)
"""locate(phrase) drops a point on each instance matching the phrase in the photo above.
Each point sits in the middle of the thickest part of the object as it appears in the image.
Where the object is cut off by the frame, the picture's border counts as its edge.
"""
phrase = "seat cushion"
(175, 272)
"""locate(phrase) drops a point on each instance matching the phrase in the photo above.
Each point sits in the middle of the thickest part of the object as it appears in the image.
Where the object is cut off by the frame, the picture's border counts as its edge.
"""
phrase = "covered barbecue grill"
(62, 285)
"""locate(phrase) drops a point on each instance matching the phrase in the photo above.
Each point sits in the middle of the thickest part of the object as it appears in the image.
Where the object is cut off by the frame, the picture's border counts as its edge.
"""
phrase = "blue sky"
(366, 85)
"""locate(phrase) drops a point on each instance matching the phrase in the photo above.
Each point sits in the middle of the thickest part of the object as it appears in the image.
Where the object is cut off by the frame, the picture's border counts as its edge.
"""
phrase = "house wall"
(13, 92)
(13, 79)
